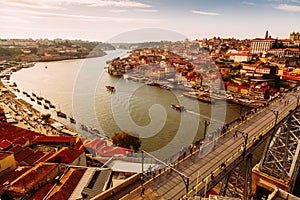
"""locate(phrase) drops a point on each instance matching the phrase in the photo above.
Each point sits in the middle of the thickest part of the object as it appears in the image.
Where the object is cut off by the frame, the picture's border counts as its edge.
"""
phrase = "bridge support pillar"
(248, 178)
(263, 180)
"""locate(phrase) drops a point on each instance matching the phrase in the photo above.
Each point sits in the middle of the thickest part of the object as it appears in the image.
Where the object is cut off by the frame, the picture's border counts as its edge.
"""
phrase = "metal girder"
(238, 182)
(282, 151)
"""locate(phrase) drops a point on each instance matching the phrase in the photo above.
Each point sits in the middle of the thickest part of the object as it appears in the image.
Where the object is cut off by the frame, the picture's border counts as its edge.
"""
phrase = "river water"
(77, 88)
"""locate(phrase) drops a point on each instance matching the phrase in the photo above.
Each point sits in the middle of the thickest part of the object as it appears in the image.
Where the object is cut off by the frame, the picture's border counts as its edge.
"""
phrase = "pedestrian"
(235, 134)
(223, 165)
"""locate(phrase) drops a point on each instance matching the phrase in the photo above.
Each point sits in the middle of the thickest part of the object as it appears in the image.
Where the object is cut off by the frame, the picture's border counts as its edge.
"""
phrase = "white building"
(260, 45)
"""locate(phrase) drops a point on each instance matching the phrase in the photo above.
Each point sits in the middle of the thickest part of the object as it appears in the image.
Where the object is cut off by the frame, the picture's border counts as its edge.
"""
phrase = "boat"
(38, 102)
(52, 106)
(94, 131)
(27, 95)
(61, 114)
(110, 88)
(178, 107)
(47, 101)
(84, 127)
(72, 120)
(39, 98)
(33, 94)
(32, 99)
(164, 87)
(24, 92)
(46, 107)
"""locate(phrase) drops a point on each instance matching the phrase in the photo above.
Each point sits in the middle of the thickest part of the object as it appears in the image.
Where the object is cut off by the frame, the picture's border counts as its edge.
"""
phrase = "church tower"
(267, 34)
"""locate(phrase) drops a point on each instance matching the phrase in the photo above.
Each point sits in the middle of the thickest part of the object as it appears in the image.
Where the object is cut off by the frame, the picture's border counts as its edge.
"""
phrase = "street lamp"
(245, 140)
(275, 112)
(185, 178)
(206, 124)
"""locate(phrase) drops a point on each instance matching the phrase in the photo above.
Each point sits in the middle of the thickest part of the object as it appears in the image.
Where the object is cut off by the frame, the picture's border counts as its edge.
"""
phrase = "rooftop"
(55, 139)
(31, 179)
(68, 183)
(12, 175)
(13, 133)
(23, 154)
(66, 155)
(4, 144)
(4, 154)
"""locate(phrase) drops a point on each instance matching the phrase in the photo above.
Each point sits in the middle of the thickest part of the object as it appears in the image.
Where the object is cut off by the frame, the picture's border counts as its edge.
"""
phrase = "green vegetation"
(127, 141)
(9, 51)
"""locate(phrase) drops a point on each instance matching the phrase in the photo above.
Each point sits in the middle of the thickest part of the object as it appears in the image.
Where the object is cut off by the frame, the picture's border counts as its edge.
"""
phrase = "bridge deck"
(226, 149)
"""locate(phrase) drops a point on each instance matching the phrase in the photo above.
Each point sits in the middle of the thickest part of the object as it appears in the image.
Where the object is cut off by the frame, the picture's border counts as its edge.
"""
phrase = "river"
(77, 88)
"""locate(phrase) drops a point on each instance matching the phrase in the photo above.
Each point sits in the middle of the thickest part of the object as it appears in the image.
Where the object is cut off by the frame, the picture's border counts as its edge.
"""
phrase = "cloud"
(59, 4)
(247, 3)
(287, 7)
(205, 13)
(27, 14)
(147, 10)
(118, 11)
(28, 4)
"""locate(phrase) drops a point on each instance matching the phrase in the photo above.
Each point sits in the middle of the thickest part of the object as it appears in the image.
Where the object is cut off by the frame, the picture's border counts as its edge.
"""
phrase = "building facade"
(260, 45)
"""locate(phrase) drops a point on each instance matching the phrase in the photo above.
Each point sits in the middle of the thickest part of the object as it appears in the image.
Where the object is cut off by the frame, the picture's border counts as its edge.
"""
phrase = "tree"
(127, 141)
(46, 117)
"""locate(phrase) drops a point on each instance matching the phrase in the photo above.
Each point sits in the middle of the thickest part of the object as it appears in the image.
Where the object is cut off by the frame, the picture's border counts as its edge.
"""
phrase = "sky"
(102, 20)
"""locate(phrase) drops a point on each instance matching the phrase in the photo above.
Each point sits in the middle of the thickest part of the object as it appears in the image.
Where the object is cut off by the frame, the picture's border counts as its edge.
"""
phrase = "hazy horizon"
(102, 20)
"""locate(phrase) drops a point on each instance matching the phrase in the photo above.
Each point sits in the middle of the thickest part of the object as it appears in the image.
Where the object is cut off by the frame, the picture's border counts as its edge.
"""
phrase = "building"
(7, 162)
(69, 156)
(261, 45)
(294, 36)
(31, 181)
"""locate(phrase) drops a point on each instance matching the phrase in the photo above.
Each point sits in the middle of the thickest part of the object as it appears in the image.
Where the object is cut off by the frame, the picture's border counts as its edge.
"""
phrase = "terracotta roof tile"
(34, 157)
(55, 139)
(41, 193)
(31, 179)
(5, 144)
(117, 151)
(68, 183)
(14, 133)
(20, 156)
(11, 176)
(16, 149)
(45, 157)
(95, 144)
(66, 155)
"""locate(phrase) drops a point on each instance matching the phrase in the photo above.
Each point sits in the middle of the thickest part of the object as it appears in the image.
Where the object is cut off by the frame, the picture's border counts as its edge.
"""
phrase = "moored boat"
(52, 106)
(46, 107)
(178, 107)
(61, 114)
(38, 102)
(72, 120)
(47, 101)
(110, 88)
(84, 127)
(39, 98)
(94, 131)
